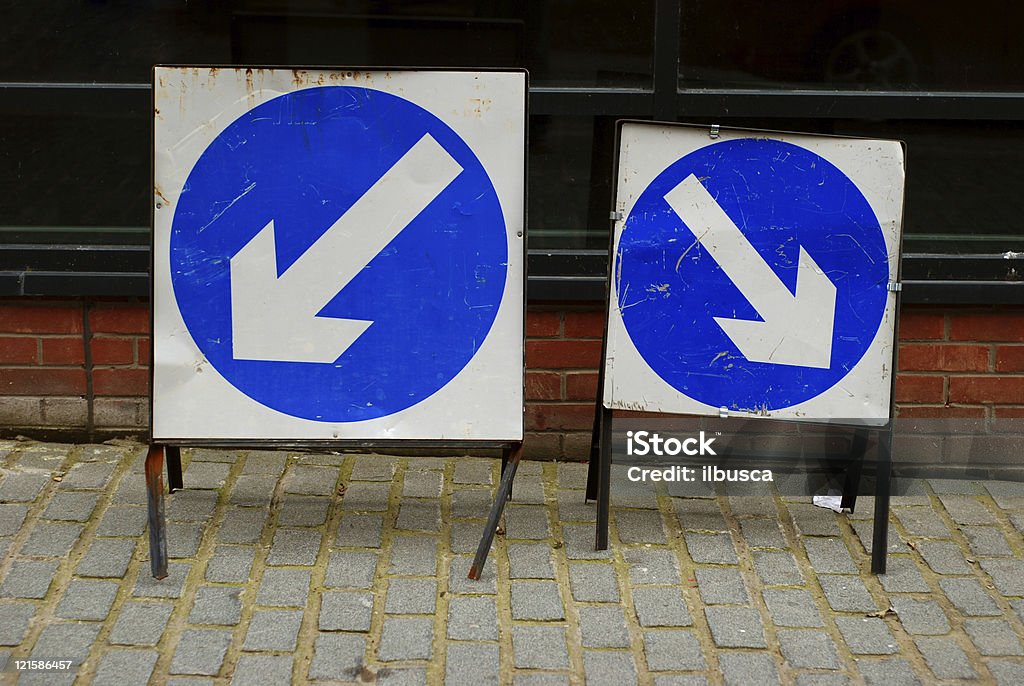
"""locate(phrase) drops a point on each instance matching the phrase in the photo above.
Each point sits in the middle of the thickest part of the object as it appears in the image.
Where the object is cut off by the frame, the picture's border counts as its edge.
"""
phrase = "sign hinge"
(723, 412)
(615, 216)
(894, 286)
(715, 130)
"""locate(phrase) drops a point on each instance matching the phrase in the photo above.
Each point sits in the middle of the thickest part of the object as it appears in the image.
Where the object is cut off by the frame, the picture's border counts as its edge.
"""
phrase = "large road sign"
(754, 274)
(338, 254)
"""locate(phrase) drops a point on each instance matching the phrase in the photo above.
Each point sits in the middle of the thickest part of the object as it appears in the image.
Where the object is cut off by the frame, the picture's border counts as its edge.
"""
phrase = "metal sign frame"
(599, 469)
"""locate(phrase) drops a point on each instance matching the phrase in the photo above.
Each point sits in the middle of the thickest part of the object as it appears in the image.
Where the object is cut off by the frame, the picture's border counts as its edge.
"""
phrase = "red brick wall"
(954, 362)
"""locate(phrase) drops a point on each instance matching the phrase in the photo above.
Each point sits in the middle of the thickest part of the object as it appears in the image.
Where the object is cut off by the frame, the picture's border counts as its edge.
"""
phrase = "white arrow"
(275, 318)
(797, 329)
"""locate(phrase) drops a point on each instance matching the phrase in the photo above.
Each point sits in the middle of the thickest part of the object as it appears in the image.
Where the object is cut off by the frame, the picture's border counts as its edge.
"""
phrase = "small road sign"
(338, 255)
(754, 274)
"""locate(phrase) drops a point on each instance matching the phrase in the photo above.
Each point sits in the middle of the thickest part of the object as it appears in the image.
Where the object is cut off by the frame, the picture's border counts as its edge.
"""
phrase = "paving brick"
(230, 564)
(743, 669)
(811, 520)
(28, 579)
(140, 623)
(366, 497)
(217, 605)
(603, 626)
(944, 557)
(310, 480)
(252, 490)
(265, 462)
(711, 548)
(922, 521)
(119, 667)
(866, 635)
(526, 521)
(791, 607)
(475, 472)
(18, 487)
(87, 475)
(1007, 575)
(777, 569)
(65, 641)
(131, 490)
(406, 639)
(359, 531)
(472, 618)
(183, 539)
(273, 630)
(122, 520)
(865, 531)
(721, 586)
(528, 490)
(472, 663)
(987, 541)
(11, 518)
(373, 468)
(921, 617)
(579, 543)
(48, 456)
(421, 484)
(829, 555)
(661, 607)
(337, 657)
(822, 679)
(967, 510)
(902, 576)
(71, 506)
(294, 547)
(945, 658)
(762, 533)
(538, 600)
(14, 620)
(699, 514)
(640, 526)
(200, 651)
(90, 600)
(593, 583)
(530, 561)
(470, 503)
(539, 647)
(888, 672)
(809, 649)
(257, 670)
(51, 540)
(351, 570)
(205, 475)
(303, 511)
(213, 455)
(341, 611)
(969, 597)
(735, 627)
(322, 458)
(242, 525)
(420, 515)
(1007, 673)
(993, 637)
(411, 597)
(573, 508)
(652, 566)
(5, 546)
(673, 650)
(605, 668)
(283, 588)
(107, 557)
(458, 581)
(413, 556)
(847, 593)
(572, 475)
(191, 506)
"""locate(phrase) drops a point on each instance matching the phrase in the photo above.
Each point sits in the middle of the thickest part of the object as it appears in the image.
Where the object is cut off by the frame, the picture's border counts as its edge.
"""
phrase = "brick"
(143, 350)
(593, 583)
(922, 521)
(947, 358)
(119, 520)
(993, 637)
(472, 663)
(120, 381)
(337, 657)
(1010, 358)
(217, 605)
(543, 386)
(1007, 672)
(526, 522)
(921, 617)
(530, 561)
(711, 548)
(42, 381)
(559, 417)
(252, 490)
(742, 669)
(866, 635)
(308, 480)
(200, 651)
(366, 497)
(543, 324)
(90, 600)
(63, 351)
(584, 324)
(969, 597)
(253, 670)
(119, 412)
(603, 626)
(406, 639)
(273, 630)
(18, 350)
(294, 547)
(735, 627)
(51, 540)
(1003, 326)
(609, 668)
(581, 386)
(411, 597)
(649, 566)
(11, 518)
(107, 557)
(673, 650)
(476, 471)
(413, 556)
(721, 586)
(65, 412)
(987, 541)
(809, 650)
(284, 588)
(35, 319)
(944, 557)
(131, 320)
(359, 530)
(241, 524)
(986, 389)
(640, 526)
(191, 505)
(14, 620)
(576, 445)
(171, 587)
(967, 510)
(111, 351)
(459, 582)
(791, 607)
(71, 506)
(265, 462)
(944, 412)
(183, 539)
(920, 388)
(66, 641)
(813, 521)
(660, 607)
(89, 475)
(762, 533)
(230, 564)
(847, 593)
(560, 354)
(917, 325)
(945, 658)
(342, 611)
(472, 618)
(351, 570)
(537, 600)
(539, 647)
(1007, 575)
(829, 555)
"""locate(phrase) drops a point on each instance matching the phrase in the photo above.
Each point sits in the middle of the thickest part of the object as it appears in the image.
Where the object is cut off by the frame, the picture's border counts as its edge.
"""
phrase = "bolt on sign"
(338, 254)
(754, 274)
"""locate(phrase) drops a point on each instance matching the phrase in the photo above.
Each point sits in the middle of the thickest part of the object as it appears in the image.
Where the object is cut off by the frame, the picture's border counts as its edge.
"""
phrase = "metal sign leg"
(500, 498)
(172, 454)
(593, 475)
(155, 502)
(851, 486)
(883, 487)
(604, 472)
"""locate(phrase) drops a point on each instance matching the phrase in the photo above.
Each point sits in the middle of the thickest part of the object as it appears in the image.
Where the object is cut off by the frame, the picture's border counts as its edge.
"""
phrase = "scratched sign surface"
(338, 254)
(752, 272)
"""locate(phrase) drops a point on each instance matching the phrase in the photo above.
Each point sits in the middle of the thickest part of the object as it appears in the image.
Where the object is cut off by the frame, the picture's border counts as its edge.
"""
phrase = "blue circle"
(670, 289)
(301, 160)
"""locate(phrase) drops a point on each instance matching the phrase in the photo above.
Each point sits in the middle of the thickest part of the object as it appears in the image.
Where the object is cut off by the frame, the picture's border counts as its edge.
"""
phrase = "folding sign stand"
(338, 262)
(753, 274)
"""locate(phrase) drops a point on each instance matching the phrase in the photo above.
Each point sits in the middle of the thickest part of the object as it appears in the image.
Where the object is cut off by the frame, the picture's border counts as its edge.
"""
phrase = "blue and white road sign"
(752, 274)
(338, 253)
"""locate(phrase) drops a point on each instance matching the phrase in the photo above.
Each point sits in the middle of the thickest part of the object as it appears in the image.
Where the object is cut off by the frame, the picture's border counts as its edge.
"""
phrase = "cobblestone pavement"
(323, 567)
